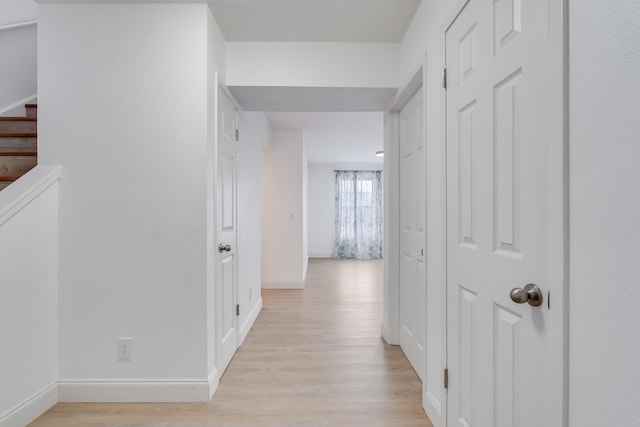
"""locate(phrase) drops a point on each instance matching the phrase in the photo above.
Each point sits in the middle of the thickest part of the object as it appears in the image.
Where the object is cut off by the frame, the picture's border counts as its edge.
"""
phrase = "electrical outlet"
(124, 348)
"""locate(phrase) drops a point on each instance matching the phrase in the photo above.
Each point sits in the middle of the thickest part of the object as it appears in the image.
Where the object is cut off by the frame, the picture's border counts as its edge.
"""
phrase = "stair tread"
(19, 134)
(18, 153)
(18, 119)
(9, 177)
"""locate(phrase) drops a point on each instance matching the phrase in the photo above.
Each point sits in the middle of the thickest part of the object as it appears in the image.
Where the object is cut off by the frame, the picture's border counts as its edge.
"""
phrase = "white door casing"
(503, 358)
(226, 229)
(412, 236)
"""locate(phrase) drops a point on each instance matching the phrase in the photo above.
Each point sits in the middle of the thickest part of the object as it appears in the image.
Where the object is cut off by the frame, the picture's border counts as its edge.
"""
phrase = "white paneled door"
(226, 220)
(503, 353)
(412, 216)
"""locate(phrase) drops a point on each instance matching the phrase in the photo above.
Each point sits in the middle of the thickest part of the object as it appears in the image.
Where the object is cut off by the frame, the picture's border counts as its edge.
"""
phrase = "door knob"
(224, 248)
(531, 293)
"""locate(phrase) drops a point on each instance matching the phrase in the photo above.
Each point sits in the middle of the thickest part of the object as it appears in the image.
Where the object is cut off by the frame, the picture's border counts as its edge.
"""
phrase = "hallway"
(314, 358)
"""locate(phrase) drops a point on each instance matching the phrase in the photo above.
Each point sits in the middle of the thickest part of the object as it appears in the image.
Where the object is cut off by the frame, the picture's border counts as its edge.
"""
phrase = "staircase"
(18, 145)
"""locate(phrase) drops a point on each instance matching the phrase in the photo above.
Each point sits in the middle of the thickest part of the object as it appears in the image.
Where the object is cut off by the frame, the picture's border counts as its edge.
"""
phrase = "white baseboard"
(214, 381)
(132, 391)
(388, 337)
(249, 321)
(432, 408)
(321, 255)
(282, 285)
(31, 408)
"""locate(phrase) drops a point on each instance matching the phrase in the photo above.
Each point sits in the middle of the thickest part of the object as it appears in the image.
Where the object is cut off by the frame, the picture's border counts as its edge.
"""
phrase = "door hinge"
(237, 309)
(446, 378)
(237, 135)
(444, 78)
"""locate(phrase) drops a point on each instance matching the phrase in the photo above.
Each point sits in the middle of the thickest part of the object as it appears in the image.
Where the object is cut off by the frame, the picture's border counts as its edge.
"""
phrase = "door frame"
(558, 119)
(391, 298)
(433, 392)
(221, 88)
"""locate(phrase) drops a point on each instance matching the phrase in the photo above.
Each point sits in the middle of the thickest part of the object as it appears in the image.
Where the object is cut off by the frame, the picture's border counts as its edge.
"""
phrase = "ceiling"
(336, 137)
(340, 125)
(357, 21)
(310, 99)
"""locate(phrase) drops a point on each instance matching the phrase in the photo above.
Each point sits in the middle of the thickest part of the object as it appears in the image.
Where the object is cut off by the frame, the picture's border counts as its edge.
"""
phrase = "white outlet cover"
(124, 348)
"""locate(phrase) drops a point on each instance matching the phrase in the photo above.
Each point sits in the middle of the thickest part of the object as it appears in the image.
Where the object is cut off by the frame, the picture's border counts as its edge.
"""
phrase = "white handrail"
(19, 194)
(18, 25)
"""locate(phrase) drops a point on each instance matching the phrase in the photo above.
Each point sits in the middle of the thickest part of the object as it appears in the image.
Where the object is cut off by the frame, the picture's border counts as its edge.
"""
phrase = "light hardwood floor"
(313, 358)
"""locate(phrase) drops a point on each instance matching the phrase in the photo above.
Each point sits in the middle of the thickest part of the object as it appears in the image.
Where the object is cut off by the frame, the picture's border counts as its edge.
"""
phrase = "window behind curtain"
(359, 217)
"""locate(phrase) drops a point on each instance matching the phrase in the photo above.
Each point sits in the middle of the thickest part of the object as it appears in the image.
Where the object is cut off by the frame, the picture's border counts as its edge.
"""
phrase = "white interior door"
(412, 217)
(502, 356)
(226, 219)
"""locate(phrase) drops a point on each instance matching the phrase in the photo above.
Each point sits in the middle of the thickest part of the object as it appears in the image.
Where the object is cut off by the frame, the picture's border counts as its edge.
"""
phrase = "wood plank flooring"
(313, 358)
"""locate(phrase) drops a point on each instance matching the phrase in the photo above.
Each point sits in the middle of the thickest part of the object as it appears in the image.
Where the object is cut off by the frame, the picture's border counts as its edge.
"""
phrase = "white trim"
(214, 381)
(18, 104)
(18, 25)
(391, 294)
(282, 285)
(390, 329)
(119, 1)
(323, 255)
(407, 91)
(249, 321)
(387, 336)
(225, 89)
(132, 391)
(304, 268)
(31, 408)
(559, 203)
(19, 194)
(440, 416)
(432, 407)
(358, 166)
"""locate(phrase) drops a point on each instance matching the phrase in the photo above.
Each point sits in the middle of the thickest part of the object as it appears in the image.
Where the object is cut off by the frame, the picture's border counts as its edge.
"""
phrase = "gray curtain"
(359, 214)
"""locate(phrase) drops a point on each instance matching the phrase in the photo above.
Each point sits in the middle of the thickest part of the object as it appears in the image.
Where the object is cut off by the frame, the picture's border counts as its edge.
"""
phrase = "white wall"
(18, 67)
(18, 50)
(605, 207)
(356, 65)
(131, 131)
(17, 11)
(282, 211)
(29, 302)
(321, 210)
(255, 130)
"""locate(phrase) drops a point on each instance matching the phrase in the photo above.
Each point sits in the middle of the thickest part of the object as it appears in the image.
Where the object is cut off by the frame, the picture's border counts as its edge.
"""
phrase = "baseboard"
(388, 337)
(249, 321)
(321, 255)
(214, 381)
(282, 285)
(31, 408)
(132, 391)
(432, 409)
